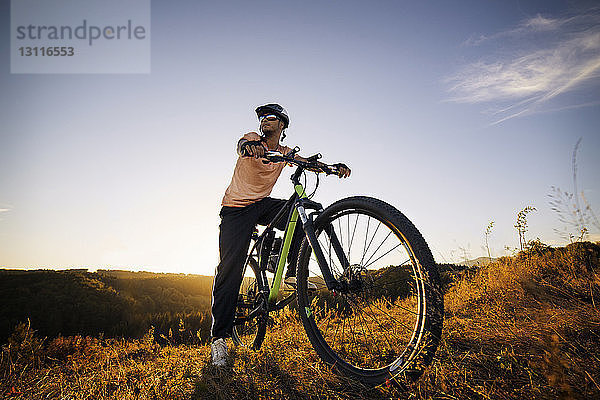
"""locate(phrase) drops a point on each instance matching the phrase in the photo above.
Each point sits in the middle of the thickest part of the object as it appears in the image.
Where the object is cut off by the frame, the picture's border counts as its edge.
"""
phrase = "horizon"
(91, 269)
(457, 114)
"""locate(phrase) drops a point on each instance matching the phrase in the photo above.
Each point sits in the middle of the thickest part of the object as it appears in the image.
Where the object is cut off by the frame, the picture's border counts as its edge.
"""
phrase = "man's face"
(271, 124)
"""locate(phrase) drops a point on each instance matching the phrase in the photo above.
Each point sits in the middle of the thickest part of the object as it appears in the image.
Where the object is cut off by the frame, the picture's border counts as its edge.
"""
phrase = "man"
(245, 204)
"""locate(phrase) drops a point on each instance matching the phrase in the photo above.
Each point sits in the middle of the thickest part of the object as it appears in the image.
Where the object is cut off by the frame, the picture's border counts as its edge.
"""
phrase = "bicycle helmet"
(274, 109)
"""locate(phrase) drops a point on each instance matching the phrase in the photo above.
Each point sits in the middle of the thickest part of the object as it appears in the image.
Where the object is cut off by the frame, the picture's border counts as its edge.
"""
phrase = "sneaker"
(290, 281)
(218, 350)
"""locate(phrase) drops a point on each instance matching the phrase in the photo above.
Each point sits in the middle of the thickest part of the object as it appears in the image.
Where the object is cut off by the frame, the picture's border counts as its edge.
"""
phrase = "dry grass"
(522, 327)
(86, 368)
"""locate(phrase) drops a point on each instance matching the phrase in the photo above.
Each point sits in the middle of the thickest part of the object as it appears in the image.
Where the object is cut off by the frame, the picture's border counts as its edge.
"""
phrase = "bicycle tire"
(250, 333)
(386, 325)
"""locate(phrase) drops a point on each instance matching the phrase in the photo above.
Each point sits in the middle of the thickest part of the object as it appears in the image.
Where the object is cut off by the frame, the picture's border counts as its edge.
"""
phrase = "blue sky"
(457, 113)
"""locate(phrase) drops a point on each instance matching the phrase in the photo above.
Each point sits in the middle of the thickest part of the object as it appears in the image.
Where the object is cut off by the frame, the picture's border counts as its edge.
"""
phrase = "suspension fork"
(337, 247)
(309, 230)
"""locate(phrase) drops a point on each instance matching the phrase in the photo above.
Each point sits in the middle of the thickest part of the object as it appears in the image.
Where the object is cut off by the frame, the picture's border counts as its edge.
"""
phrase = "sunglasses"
(268, 117)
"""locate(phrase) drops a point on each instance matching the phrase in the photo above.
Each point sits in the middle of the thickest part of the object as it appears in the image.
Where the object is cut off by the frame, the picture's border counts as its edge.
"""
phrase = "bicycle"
(376, 314)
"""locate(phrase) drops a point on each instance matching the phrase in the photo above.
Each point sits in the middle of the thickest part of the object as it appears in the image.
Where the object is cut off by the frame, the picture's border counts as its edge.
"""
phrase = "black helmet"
(274, 109)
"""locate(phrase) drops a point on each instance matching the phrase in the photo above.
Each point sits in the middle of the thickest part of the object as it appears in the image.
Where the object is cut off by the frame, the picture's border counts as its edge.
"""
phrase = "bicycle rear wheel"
(385, 323)
(250, 324)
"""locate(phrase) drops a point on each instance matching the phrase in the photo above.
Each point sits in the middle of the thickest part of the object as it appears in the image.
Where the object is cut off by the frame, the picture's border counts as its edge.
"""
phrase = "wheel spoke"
(380, 257)
(376, 342)
(354, 230)
(366, 237)
(391, 317)
(382, 329)
(371, 241)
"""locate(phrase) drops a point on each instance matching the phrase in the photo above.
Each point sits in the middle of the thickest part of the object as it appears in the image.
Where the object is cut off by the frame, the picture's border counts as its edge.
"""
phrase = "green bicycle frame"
(287, 242)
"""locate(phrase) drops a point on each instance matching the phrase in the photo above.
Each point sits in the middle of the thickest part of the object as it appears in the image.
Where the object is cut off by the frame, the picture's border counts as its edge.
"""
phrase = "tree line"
(123, 303)
(107, 303)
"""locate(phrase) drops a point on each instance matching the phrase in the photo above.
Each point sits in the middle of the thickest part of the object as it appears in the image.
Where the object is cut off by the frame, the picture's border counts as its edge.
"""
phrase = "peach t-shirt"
(252, 179)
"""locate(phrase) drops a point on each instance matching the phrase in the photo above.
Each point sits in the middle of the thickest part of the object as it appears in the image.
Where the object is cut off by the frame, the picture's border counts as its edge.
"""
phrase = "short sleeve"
(251, 136)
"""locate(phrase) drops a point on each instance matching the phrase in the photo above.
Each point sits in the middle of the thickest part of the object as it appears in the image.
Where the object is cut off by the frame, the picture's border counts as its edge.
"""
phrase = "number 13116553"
(54, 51)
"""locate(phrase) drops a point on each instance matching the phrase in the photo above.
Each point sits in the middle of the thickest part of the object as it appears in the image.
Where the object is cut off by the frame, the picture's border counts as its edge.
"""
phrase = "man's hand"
(253, 149)
(343, 170)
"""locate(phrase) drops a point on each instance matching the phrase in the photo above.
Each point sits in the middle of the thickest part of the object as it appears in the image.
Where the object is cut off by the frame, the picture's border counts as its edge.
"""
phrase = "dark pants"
(235, 231)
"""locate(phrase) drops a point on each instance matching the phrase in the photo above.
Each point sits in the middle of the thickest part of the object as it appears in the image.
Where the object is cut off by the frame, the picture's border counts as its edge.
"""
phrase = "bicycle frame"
(299, 203)
(285, 249)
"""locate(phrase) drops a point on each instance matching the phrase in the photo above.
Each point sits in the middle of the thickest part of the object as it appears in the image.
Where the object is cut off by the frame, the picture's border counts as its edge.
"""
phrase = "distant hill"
(478, 262)
(123, 274)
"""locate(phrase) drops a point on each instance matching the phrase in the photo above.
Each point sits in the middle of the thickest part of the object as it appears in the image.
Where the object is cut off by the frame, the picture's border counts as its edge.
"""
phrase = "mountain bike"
(368, 290)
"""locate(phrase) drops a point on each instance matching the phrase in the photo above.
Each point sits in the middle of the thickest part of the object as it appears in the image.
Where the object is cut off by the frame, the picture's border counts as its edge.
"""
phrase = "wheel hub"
(354, 280)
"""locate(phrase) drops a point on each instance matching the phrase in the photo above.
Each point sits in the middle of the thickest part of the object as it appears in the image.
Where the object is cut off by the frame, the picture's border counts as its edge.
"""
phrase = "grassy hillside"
(522, 327)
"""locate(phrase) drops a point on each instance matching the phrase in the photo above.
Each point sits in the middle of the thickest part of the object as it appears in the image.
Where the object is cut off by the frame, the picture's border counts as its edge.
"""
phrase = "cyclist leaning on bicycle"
(245, 204)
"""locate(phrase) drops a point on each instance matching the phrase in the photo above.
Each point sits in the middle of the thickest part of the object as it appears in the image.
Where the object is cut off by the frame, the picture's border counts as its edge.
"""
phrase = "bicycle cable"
(316, 186)
(310, 196)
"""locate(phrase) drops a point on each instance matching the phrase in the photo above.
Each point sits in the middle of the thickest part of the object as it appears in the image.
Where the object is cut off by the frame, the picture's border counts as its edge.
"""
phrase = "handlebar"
(311, 162)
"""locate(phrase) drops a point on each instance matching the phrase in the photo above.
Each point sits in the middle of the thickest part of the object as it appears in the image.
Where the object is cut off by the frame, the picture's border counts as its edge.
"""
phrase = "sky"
(457, 113)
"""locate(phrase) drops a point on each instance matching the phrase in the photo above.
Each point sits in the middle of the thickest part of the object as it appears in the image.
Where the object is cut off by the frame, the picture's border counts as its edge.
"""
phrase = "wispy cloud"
(562, 55)
(533, 25)
(4, 209)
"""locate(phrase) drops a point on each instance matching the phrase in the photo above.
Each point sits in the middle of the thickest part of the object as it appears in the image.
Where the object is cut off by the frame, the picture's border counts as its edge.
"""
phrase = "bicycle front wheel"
(384, 322)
